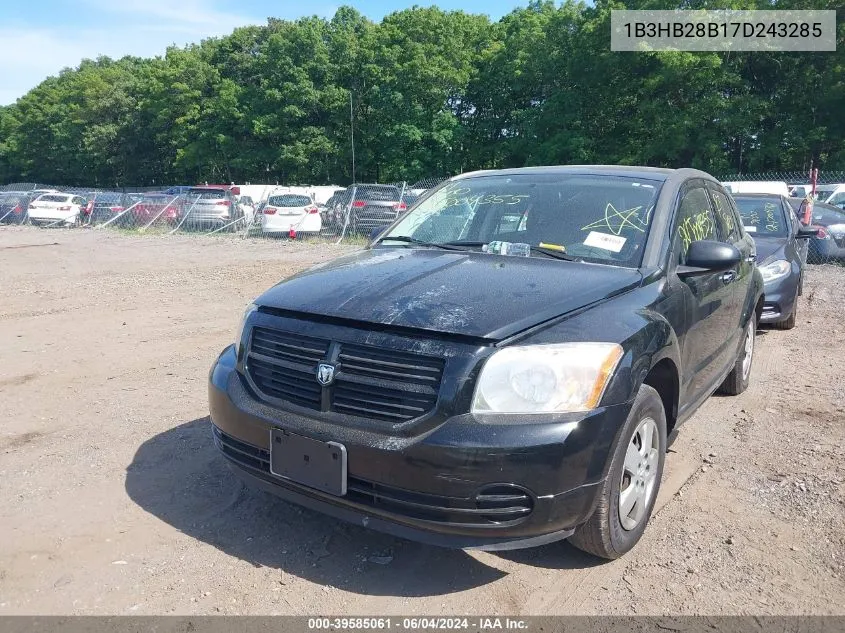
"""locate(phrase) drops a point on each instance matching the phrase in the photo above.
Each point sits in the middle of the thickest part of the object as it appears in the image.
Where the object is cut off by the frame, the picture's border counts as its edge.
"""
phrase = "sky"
(41, 37)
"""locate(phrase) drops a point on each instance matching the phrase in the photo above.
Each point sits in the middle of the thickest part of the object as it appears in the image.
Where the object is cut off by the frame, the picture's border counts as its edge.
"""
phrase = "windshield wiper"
(412, 240)
(462, 245)
(553, 252)
(550, 252)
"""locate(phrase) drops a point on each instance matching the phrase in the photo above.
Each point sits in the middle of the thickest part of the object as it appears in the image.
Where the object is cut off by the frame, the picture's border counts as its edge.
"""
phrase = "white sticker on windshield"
(612, 243)
(750, 229)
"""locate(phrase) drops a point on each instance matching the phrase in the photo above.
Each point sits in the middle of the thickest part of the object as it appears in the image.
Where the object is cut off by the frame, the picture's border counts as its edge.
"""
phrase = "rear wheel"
(630, 489)
(737, 381)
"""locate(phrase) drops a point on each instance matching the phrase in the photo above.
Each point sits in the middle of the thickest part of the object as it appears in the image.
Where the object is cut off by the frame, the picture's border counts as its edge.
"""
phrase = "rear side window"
(694, 221)
(726, 219)
(289, 200)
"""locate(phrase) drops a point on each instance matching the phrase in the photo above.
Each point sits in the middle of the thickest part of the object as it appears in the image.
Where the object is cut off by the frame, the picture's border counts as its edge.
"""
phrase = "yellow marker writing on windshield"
(554, 247)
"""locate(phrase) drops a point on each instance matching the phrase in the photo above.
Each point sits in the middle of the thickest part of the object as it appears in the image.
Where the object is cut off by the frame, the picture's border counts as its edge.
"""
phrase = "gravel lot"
(113, 500)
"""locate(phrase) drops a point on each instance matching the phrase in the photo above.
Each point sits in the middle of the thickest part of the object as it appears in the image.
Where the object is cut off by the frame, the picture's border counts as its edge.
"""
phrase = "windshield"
(762, 216)
(602, 219)
(289, 200)
(837, 199)
(827, 215)
(49, 198)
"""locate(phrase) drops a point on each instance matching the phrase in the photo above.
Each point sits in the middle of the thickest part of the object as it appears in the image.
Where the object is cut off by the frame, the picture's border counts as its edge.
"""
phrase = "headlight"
(546, 378)
(239, 334)
(775, 270)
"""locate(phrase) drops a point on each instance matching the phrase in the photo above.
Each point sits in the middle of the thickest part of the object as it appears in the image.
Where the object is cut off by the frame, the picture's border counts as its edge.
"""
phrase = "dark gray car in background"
(375, 207)
(781, 244)
(828, 245)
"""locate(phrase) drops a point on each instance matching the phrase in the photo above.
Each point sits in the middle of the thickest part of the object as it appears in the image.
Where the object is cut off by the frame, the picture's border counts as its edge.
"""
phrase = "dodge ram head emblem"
(325, 374)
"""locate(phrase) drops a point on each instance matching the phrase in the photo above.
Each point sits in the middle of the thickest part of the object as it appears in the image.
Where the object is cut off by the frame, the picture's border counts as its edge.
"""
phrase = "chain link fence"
(330, 213)
(338, 214)
(824, 211)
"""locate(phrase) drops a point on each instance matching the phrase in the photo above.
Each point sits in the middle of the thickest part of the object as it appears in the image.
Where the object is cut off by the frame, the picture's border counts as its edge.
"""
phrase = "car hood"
(769, 248)
(468, 294)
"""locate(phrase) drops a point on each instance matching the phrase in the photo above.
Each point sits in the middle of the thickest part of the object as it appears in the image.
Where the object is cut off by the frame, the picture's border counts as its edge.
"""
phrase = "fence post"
(808, 208)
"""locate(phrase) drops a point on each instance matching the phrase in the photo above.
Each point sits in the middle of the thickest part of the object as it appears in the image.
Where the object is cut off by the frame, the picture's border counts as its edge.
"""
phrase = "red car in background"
(129, 210)
(155, 206)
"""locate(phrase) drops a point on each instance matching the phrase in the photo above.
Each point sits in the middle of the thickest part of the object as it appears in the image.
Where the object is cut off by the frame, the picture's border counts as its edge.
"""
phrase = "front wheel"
(630, 489)
(740, 376)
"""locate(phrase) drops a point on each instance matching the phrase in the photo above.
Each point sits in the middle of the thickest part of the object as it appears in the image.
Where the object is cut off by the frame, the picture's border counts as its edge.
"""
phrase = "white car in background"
(57, 208)
(800, 191)
(758, 186)
(837, 197)
(248, 207)
(289, 214)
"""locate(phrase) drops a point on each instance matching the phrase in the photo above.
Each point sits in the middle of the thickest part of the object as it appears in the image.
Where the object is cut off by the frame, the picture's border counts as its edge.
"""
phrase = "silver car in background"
(207, 206)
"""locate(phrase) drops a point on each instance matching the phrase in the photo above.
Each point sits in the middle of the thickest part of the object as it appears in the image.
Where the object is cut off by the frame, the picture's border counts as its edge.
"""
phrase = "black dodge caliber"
(505, 365)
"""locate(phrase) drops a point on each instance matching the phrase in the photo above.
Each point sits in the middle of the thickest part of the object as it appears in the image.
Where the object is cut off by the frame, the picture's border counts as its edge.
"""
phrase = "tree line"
(430, 93)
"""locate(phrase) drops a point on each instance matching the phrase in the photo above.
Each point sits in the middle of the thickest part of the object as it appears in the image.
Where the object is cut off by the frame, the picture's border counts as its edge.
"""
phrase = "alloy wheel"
(748, 351)
(639, 474)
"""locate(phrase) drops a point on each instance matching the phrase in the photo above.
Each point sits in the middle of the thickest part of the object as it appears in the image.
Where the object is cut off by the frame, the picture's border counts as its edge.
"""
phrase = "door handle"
(728, 276)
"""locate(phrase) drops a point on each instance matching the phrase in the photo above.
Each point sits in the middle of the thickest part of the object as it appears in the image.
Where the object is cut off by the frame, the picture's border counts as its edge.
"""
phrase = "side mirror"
(376, 232)
(706, 256)
(807, 232)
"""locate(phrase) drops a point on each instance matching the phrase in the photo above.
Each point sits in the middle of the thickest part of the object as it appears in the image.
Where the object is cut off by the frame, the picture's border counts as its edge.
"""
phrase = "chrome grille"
(371, 382)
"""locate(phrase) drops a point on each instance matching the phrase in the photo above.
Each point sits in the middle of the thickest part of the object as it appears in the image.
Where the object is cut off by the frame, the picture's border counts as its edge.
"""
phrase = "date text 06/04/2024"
(417, 623)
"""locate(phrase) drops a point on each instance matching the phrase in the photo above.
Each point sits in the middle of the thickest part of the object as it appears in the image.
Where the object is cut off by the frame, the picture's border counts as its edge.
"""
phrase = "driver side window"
(694, 221)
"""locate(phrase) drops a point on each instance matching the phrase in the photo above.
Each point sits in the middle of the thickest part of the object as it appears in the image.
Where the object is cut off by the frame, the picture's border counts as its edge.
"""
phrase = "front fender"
(645, 334)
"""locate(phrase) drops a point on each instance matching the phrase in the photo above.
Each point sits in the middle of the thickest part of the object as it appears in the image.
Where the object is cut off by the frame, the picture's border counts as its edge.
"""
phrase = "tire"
(740, 376)
(607, 534)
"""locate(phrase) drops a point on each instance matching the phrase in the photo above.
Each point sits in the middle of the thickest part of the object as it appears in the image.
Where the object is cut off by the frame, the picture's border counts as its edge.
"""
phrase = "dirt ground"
(114, 501)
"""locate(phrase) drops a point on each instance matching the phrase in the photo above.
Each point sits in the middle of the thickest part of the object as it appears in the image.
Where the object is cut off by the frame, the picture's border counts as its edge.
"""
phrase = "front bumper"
(779, 299)
(435, 487)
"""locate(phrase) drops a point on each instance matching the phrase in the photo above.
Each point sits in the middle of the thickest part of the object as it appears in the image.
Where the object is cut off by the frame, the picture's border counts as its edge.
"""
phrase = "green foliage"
(432, 93)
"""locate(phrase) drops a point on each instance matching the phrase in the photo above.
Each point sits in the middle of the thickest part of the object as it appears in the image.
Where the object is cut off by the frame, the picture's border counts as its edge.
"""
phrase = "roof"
(650, 173)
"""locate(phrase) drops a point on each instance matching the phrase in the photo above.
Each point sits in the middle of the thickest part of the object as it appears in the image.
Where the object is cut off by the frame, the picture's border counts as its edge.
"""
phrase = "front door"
(707, 337)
